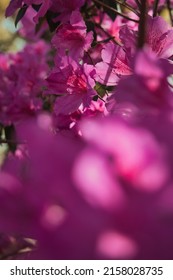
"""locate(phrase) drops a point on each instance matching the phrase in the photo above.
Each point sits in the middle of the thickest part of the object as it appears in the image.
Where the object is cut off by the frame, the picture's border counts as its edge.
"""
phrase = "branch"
(114, 10)
(142, 24)
(156, 2)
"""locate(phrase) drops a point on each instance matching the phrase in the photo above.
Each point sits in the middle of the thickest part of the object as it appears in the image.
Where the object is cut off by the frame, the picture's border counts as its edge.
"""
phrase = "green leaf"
(20, 14)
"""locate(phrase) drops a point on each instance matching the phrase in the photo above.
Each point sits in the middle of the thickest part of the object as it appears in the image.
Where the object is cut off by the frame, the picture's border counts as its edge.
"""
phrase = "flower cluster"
(86, 114)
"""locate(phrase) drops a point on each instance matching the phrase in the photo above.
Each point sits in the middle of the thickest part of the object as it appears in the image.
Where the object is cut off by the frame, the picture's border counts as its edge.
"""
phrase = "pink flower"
(46, 4)
(76, 86)
(93, 180)
(146, 90)
(66, 8)
(112, 26)
(16, 4)
(115, 64)
(22, 81)
(159, 37)
(27, 29)
(72, 39)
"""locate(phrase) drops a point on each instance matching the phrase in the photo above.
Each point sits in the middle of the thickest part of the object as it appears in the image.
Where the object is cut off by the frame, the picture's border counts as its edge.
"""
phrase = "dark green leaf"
(20, 14)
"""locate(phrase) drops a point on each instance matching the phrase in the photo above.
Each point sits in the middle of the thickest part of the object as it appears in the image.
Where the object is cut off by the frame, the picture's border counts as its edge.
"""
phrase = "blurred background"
(9, 39)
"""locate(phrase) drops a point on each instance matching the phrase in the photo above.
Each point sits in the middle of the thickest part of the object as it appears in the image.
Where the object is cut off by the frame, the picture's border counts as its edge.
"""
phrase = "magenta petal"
(160, 37)
(12, 7)
(106, 74)
(67, 104)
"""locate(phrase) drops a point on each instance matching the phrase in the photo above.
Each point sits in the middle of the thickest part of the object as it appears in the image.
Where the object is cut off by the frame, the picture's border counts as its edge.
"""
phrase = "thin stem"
(103, 41)
(142, 24)
(101, 98)
(114, 10)
(109, 35)
(156, 2)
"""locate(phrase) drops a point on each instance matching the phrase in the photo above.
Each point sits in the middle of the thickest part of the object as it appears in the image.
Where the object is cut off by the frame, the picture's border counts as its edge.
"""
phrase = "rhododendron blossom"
(27, 30)
(158, 37)
(147, 88)
(115, 63)
(86, 121)
(75, 85)
(21, 82)
(72, 39)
